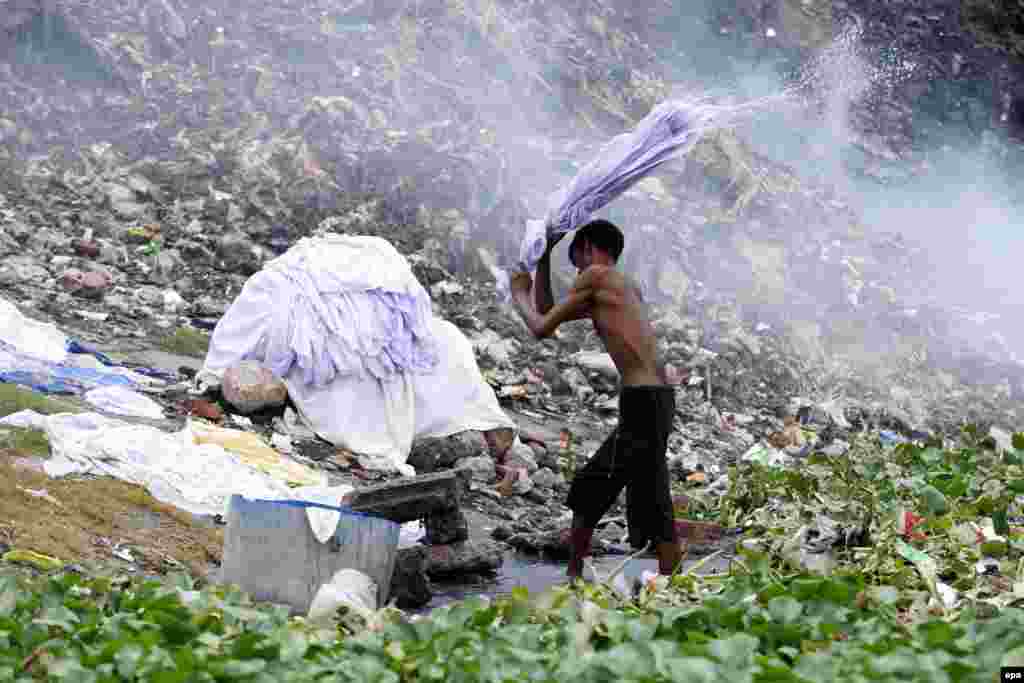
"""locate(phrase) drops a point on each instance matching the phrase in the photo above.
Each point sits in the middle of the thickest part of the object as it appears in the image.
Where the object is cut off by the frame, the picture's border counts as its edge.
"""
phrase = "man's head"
(598, 241)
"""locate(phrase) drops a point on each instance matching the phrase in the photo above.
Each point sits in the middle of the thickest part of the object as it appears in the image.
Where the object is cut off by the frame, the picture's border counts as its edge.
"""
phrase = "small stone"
(86, 248)
(239, 254)
(449, 526)
(544, 478)
(597, 362)
(521, 455)
(482, 468)
(173, 303)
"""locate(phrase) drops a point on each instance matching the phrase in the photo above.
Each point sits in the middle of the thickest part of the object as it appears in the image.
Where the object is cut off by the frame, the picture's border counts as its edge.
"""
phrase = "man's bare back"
(620, 319)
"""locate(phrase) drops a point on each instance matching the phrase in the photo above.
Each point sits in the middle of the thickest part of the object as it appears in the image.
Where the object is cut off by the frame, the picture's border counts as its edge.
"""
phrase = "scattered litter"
(43, 563)
(40, 493)
(241, 421)
(764, 454)
(349, 588)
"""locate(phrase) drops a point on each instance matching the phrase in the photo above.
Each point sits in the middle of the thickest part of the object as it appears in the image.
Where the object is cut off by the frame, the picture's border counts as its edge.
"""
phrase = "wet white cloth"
(375, 414)
(378, 420)
(331, 306)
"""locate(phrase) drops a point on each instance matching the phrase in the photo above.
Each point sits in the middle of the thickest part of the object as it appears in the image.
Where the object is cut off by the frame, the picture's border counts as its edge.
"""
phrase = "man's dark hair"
(603, 234)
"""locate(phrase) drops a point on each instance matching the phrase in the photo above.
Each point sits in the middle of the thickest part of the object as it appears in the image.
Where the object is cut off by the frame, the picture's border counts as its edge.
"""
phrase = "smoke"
(952, 197)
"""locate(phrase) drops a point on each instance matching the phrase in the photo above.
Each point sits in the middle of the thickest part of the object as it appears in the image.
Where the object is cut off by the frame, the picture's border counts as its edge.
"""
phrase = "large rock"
(123, 201)
(239, 254)
(412, 498)
(432, 453)
(464, 558)
(250, 387)
(597, 361)
(446, 526)
(410, 585)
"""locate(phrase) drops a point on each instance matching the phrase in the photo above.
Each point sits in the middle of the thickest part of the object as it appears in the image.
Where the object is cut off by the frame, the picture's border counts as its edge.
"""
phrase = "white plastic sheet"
(40, 340)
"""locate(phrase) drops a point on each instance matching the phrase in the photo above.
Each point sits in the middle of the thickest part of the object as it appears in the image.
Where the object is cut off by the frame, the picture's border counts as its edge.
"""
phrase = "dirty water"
(538, 574)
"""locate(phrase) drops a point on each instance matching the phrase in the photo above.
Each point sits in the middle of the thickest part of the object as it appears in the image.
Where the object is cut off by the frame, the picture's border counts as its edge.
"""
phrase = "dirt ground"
(86, 521)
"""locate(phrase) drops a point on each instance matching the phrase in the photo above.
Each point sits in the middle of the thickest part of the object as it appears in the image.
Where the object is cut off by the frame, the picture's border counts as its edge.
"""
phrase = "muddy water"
(538, 575)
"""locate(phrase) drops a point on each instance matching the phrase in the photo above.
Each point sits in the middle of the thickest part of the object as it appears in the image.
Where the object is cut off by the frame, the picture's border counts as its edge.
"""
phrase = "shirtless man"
(634, 454)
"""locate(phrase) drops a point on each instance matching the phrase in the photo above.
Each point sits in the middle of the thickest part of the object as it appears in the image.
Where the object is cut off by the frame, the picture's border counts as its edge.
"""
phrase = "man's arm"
(577, 305)
(542, 295)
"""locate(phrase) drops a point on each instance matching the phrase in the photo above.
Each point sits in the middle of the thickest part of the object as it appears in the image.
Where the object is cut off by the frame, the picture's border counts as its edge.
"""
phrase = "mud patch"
(99, 520)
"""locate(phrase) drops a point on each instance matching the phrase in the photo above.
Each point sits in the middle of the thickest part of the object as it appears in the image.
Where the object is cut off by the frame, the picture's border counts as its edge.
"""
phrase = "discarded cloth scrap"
(331, 306)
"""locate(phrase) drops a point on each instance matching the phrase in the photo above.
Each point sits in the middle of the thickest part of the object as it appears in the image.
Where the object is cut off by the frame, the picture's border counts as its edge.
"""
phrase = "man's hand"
(552, 241)
(521, 283)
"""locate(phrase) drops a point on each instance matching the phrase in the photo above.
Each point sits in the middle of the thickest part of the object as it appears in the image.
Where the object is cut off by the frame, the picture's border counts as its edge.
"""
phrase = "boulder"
(249, 387)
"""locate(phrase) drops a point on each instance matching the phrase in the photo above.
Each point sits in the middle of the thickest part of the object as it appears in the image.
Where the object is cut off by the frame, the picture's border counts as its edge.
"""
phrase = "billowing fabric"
(670, 130)
(331, 306)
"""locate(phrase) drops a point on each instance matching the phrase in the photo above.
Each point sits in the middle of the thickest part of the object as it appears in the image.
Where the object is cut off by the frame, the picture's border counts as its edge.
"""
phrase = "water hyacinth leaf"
(736, 651)
(1018, 441)
(127, 660)
(785, 609)
(934, 502)
(59, 616)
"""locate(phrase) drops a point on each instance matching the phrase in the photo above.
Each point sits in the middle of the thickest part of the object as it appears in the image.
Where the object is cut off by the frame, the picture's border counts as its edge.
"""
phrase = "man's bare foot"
(670, 556)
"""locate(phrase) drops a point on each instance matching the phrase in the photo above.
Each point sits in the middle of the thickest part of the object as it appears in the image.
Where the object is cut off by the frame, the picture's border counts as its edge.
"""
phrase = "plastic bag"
(347, 587)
